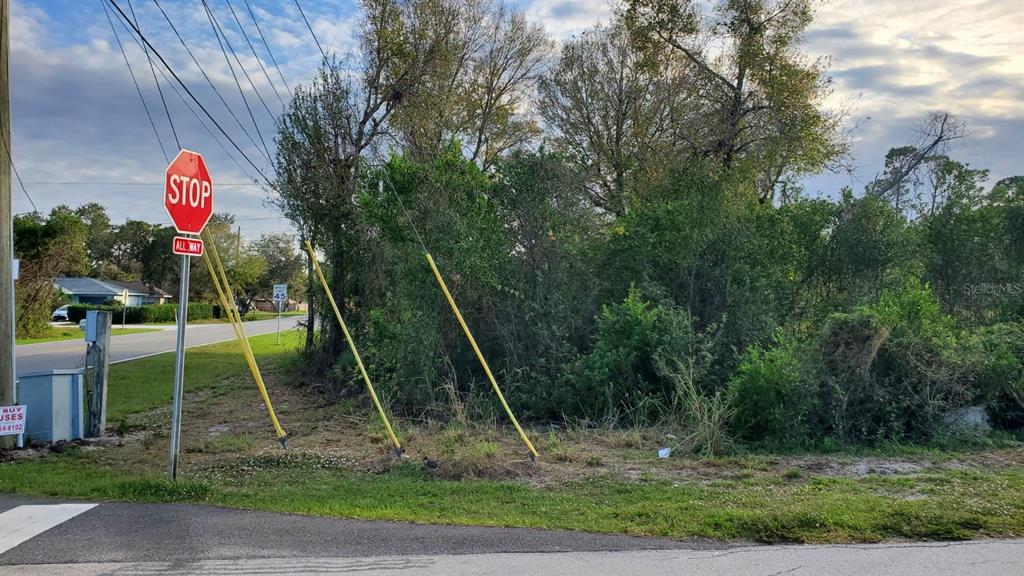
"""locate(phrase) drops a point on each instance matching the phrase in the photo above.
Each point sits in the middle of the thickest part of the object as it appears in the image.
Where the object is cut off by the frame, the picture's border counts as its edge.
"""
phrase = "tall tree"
(614, 109)
(334, 121)
(478, 90)
(761, 98)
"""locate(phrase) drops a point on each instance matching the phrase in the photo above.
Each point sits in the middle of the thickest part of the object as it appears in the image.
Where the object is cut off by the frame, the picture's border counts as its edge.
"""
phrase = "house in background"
(93, 291)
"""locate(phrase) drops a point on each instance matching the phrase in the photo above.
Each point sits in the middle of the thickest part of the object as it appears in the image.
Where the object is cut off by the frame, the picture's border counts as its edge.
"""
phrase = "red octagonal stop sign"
(188, 192)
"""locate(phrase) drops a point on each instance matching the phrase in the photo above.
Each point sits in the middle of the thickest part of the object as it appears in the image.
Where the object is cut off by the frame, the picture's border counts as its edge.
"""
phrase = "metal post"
(179, 368)
(278, 322)
(124, 310)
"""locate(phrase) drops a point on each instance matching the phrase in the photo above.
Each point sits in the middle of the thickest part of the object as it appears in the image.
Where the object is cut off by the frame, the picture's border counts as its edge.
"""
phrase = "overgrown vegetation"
(655, 260)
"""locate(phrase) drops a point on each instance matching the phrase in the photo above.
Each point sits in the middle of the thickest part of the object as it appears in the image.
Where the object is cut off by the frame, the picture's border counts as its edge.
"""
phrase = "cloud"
(564, 18)
(77, 118)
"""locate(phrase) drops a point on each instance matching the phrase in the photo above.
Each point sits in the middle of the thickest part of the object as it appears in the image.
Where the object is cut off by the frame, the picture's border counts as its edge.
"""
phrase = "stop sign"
(188, 192)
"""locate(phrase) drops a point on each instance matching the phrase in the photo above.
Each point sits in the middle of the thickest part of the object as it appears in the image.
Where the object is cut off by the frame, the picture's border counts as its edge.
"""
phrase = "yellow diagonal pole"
(352, 347)
(480, 356)
(227, 303)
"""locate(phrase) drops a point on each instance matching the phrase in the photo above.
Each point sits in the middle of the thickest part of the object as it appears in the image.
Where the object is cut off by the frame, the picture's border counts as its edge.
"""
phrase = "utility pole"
(6, 229)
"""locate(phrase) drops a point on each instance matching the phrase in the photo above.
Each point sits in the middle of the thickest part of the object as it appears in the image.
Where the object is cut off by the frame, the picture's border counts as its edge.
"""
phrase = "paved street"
(71, 353)
(46, 537)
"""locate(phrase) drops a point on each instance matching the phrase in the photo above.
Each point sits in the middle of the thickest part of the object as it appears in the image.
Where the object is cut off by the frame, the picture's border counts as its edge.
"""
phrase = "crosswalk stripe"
(24, 522)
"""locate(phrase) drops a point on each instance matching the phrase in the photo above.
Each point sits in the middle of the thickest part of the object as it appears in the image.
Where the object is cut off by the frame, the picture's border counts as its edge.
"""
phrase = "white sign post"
(280, 297)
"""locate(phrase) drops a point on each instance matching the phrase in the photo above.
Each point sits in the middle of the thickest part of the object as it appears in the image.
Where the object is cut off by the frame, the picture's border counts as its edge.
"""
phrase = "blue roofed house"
(94, 291)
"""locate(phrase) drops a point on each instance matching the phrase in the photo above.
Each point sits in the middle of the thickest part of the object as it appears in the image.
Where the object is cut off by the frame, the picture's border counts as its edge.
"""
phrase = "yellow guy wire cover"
(352, 346)
(223, 291)
(480, 356)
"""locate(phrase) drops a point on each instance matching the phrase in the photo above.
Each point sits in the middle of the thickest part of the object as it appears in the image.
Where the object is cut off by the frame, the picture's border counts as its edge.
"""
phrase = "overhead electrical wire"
(194, 113)
(17, 175)
(313, 34)
(252, 14)
(127, 63)
(254, 54)
(152, 70)
(201, 70)
(217, 34)
(185, 87)
(241, 66)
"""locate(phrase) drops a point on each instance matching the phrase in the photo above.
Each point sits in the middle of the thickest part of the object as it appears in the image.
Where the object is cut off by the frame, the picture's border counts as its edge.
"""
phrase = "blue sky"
(80, 133)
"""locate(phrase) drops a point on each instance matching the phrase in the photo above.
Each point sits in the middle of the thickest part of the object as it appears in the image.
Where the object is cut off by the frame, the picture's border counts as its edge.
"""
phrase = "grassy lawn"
(337, 464)
(53, 334)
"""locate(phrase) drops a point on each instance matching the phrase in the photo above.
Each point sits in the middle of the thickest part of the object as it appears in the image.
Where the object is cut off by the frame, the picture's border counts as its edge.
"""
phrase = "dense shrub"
(619, 377)
(994, 356)
(891, 368)
(774, 391)
(143, 314)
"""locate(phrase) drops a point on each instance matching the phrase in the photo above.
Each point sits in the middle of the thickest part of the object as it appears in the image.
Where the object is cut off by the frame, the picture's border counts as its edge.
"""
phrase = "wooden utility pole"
(6, 230)
(97, 362)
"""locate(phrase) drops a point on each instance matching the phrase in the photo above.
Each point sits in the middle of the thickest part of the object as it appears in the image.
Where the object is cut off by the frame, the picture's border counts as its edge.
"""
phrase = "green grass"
(786, 507)
(147, 383)
(53, 334)
(946, 505)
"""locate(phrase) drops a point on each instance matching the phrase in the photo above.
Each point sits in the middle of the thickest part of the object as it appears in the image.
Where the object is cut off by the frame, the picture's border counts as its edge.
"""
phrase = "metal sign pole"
(179, 369)
(278, 322)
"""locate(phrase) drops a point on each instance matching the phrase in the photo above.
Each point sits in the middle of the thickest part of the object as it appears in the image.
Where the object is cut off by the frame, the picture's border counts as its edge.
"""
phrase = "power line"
(214, 26)
(205, 75)
(145, 106)
(192, 110)
(10, 158)
(94, 183)
(152, 70)
(322, 53)
(253, 49)
(163, 61)
(267, 46)
(240, 65)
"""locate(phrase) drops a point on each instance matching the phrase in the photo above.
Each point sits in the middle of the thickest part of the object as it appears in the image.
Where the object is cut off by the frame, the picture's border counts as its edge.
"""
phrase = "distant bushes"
(144, 314)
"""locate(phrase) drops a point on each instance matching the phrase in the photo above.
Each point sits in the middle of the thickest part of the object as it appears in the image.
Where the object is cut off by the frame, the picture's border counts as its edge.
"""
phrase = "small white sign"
(280, 292)
(12, 420)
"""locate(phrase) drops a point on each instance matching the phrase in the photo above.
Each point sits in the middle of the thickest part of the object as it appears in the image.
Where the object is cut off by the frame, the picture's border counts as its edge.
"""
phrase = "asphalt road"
(66, 354)
(152, 539)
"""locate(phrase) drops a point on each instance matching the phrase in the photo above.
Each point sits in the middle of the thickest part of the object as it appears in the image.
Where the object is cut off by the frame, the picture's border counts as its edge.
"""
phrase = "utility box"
(55, 404)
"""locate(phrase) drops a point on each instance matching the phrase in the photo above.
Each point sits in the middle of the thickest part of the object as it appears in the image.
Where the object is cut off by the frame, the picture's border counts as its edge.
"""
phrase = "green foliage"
(144, 314)
(774, 393)
(619, 377)
(890, 368)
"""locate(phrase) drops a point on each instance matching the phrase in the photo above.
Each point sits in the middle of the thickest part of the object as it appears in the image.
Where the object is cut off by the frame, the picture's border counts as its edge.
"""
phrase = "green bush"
(619, 376)
(143, 314)
(773, 392)
(891, 369)
(994, 357)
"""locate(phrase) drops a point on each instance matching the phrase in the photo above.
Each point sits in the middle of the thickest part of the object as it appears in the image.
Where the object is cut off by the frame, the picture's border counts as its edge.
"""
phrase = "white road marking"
(24, 522)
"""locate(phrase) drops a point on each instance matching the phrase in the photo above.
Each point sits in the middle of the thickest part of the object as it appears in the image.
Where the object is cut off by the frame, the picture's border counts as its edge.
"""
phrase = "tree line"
(83, 241)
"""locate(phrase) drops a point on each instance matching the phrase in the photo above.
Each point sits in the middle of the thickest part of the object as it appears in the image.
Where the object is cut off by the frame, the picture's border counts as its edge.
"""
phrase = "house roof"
(95, 287)
(139, 288)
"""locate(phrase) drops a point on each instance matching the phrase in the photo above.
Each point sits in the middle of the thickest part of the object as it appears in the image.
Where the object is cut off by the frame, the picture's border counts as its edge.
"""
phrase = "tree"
(902, 164)
(478, 89)
(284, 265)
(760, 98)
(331, 123)
(100, 240)
(614, 110)
(48, 248)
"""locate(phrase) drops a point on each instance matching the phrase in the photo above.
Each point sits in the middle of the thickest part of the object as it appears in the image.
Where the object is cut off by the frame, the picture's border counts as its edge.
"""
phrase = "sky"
(80, 132)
